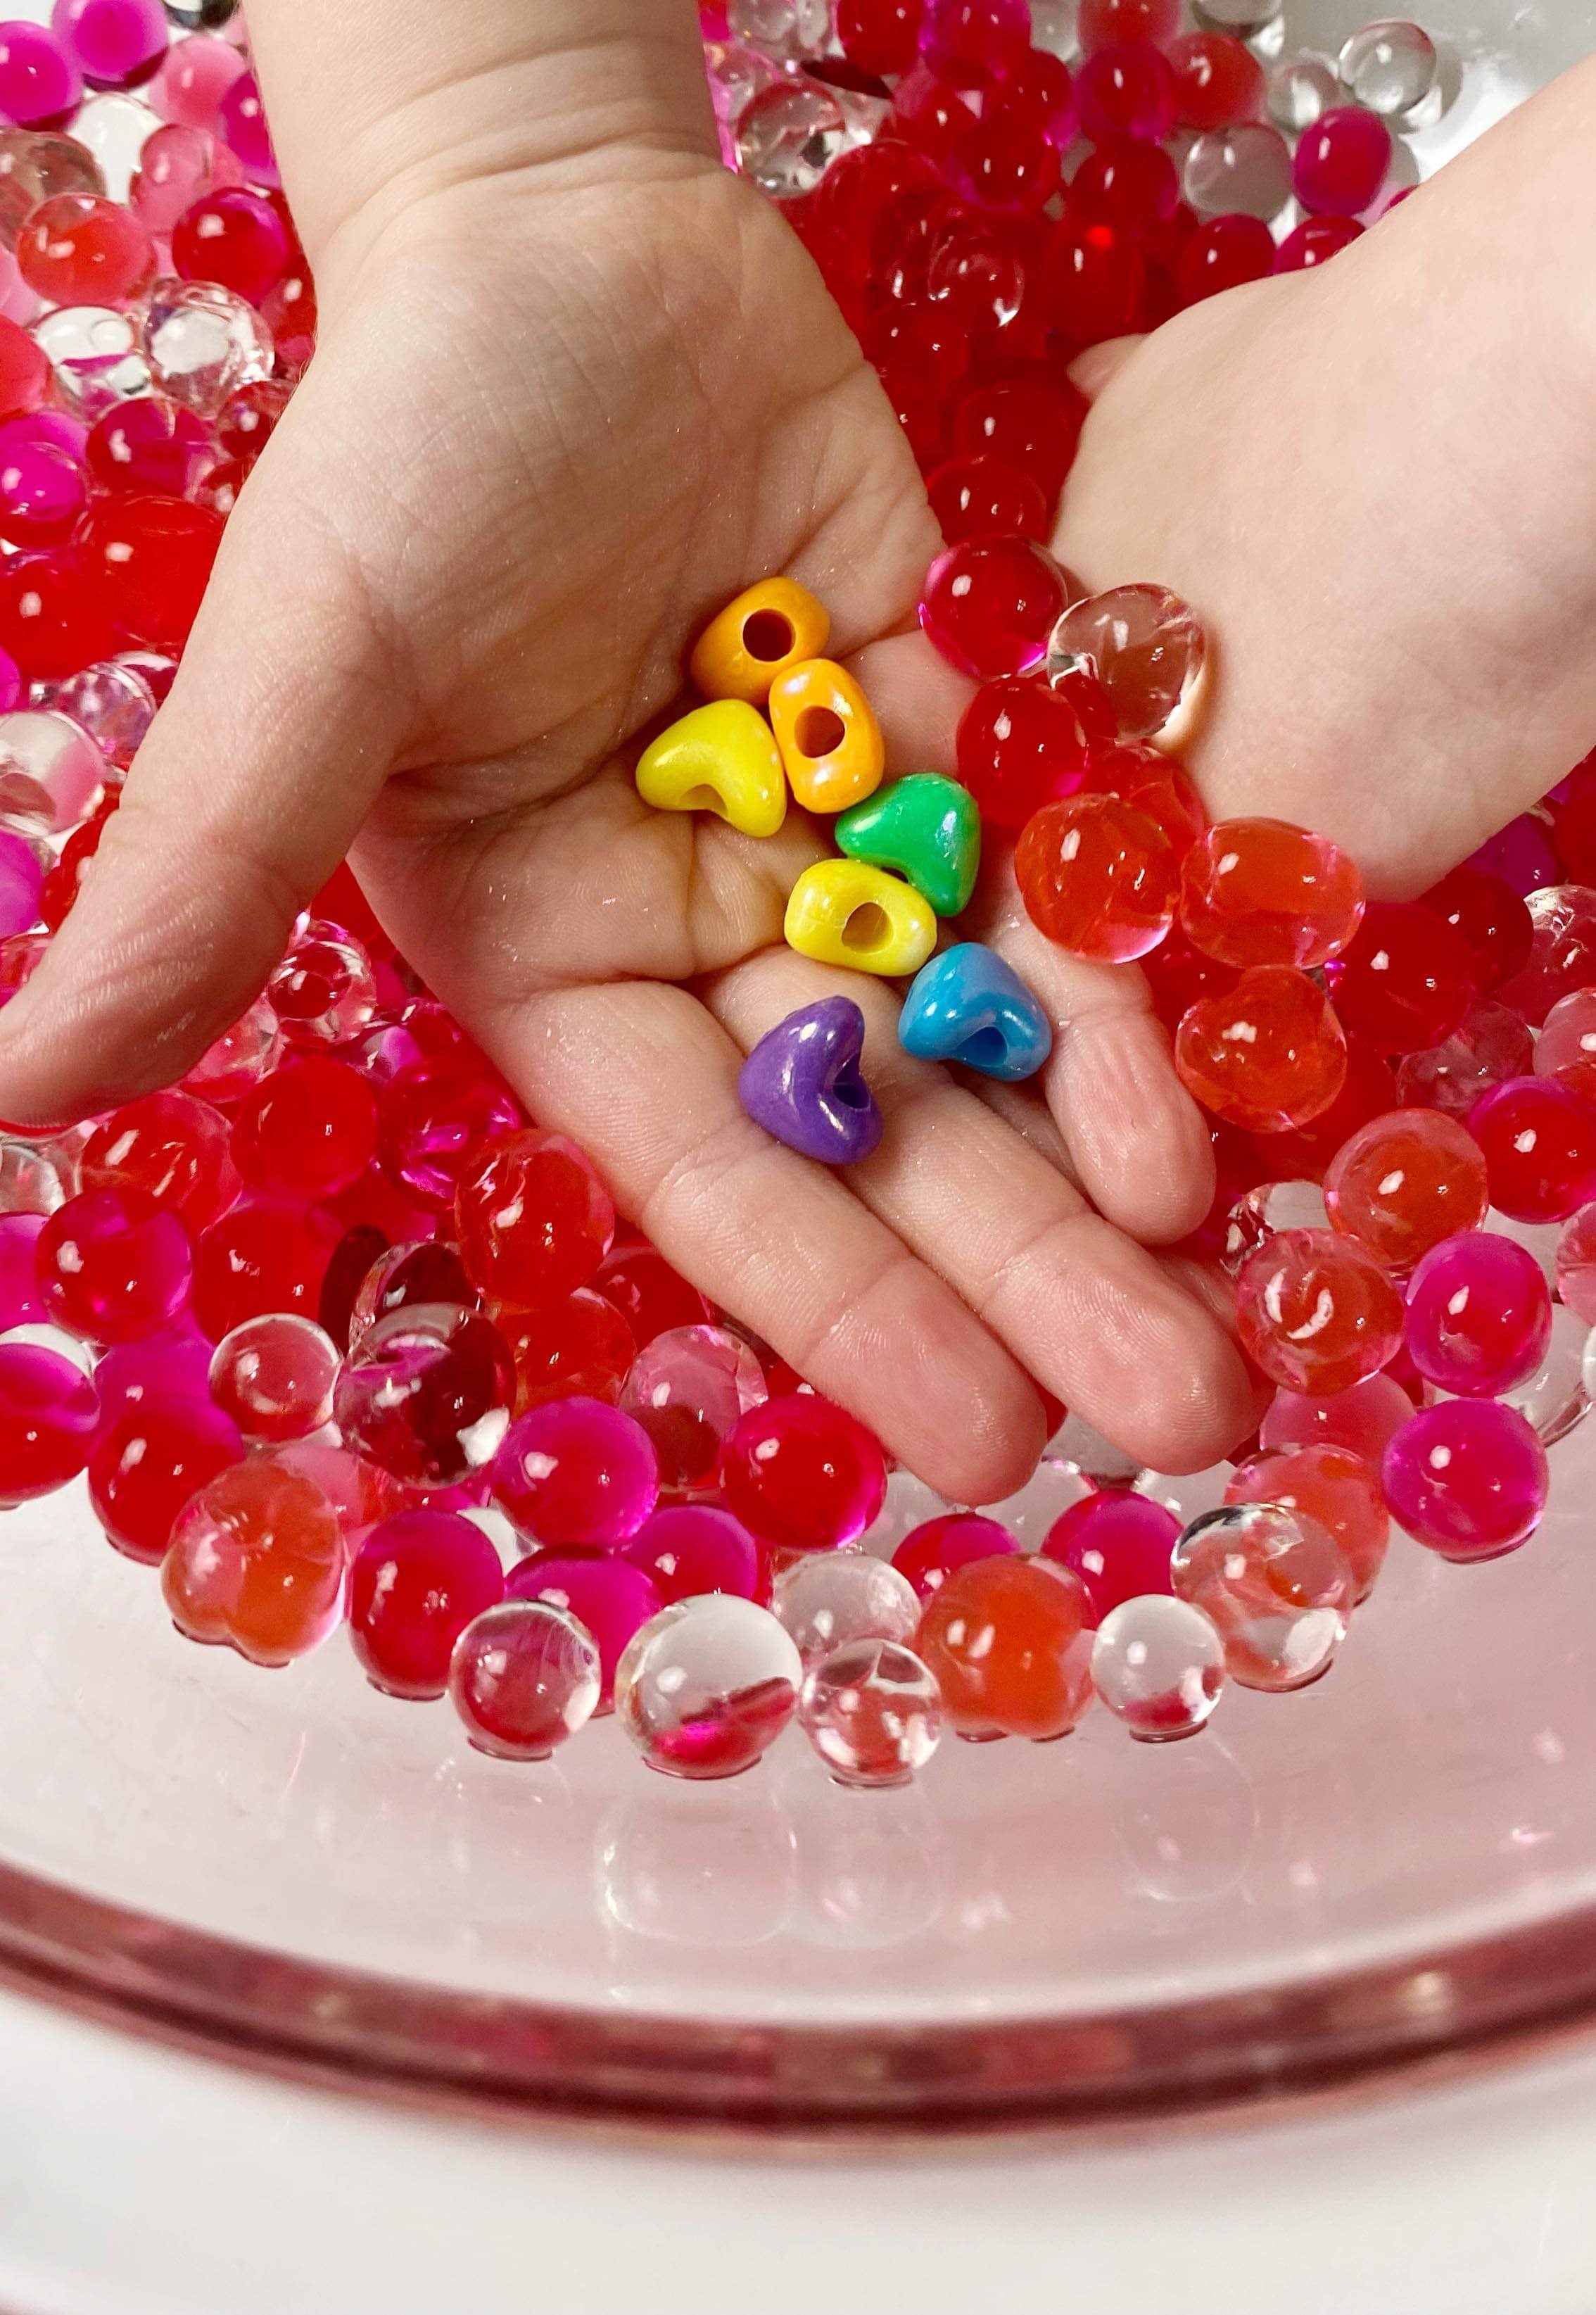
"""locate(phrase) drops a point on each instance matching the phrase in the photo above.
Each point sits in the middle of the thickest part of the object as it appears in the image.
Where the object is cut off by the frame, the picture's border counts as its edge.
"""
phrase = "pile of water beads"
(323, 1320)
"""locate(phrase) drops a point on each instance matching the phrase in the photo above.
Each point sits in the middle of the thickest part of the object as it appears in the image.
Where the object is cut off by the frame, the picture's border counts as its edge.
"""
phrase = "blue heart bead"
(803, 1083)
(967, 1005)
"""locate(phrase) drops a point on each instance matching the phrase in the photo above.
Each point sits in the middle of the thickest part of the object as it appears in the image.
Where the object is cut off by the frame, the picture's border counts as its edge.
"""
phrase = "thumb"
(278, 731)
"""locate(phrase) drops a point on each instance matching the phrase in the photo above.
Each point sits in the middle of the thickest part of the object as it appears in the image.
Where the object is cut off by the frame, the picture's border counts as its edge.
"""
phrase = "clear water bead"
(32, 1179)
(1390, 66)
(1299, 89)
(1246, 19)
(873, 1713)
(787, 29)
(1158, 1664)
(1143, 645)
(1245, 169)
(1055, 28)
(788, 137)
(51, 772)
(836, 1597)
(111, 702)
(1263, 1213)
(203, 343)
(95, 354)
(707, 1686)
(1276, 1585)
(1556, 1398)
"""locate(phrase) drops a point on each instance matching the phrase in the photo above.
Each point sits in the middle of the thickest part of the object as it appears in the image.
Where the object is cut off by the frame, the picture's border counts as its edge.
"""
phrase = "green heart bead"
(927, 827)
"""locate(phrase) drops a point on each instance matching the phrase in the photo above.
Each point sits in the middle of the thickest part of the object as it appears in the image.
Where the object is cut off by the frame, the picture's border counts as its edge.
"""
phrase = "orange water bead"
(1331, 1485)
(1267, 1055)
(1008, 1641)
(1261, 891)
(1155, 784)
(1098, 877)
(1316, 1312)
(1405, 1181)
(256, 1563)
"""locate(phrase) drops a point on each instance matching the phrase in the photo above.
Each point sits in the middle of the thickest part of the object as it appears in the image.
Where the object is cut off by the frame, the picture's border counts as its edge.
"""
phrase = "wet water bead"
(1125, 183)
(1539, 1144)
(51, 773)
(427, 1393)
(1407, 981)
(1363, 1419)
(256, 1563)
(1576, 1265)
(688, 1549)
(581, 1347)
(688, 1390)
(1555, 1398)
(1316, 1312)
(1241, 171)
(114, 701)
(202, 344)
(1468, 1478)
(1158, 1664)
(1566, 1048)
(1562, 950)
(1491, 919)
(576, 1471)
(803, 1473)
(1391, 66)
(1405, 1182)
(1341, 163)
(1266, 1210)
(421, 1270)
(981, 497)
(1315, 242)
(879, 35)
(1144, 646)
(1260, 891)
(828, 1601)
(438, 1118)
(1008, 1642)
(523, 1677)
(1479, 1315)
(1127, 89)
(305, 1130)
(49, 1412)
(970, 43)
(1222, 254)
(192, 81)
(935, 1549)
(872, 1712)
(151, 1461)
(609, 1598)
(41, 82)
(1020, 746)
(1491, 1045)
(651, 1296)
(324, 992)
(261, 1256)
(1339, 1489)
(233, 236)
(1268, 1055)
(1100, 24)
(1277, 1587)
(113, 1265)
(787, 137)
(707, 1686)
(415, 1582)
(275, 1376)
(240, 1057)
(1118, 1543)
(533, 1220)
(1098, 877)
(77, 249)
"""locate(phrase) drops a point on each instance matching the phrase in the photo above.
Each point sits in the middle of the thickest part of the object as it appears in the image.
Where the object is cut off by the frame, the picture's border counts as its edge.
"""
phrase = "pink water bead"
(1261, 891)
(609, 1598)
(43, 493)
(1539, 1144)
(988, 605)
(935, 1549)
(113, 1265)
(1118, 1542)
(524, 1678)
(576, 1471)
(427, 1393)
(1363, 1419)
(49, 1412)
(41, 84)
(115, 43)
(1576, 1265)
(803, 1473)
(707, 1686)
(1316, 1312)
(687, 1548)
(1566, 1046)
(1479, 1315)
(689, 1388)
(1468, 1478)
(415, 1582)
(149, 444)
(20, 1303)
(241, 117)
(190, 83)
(177, 167)
(1404, 1181)
(1342, 162)
(276, 1376)
(168, 1366)
(1127, 90)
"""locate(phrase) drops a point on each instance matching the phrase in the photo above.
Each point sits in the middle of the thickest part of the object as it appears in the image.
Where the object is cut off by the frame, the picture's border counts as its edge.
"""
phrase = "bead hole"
(851, 1091)
(821, 732)
(868, 927)
(983, 1049)
(701, 799)
(768, 634)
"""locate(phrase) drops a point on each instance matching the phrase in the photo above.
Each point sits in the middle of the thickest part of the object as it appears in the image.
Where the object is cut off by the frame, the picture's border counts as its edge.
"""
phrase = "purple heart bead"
(804, 1085)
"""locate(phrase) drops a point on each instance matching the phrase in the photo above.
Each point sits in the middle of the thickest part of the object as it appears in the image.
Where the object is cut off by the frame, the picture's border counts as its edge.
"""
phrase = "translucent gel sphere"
(873, 1713)
(611, 1599)
(151, 1461)
(1330, 1484)
(535, 1221)
(420, 1270)
(1260, 891)
(1316, 1312)
(523, 1677)
(1363, 1419)
(113, 1265)
(1277, 1587)
(687, 1548)
(1008, 1642)
(1119, 1544)
(1390, 66)
(415, 1582)
(1267, 1210)
(828, 1602)
(930, 1553)
(1539, 1144)
(1405, 1182)
(426, 1393)
(1576, 1263)
(803, 1473)
(1489, 1046)
(1098, 877)
(49, 1410)
(256, 1563)
(322, 992)
(688, 1390)
(1479, 1315)
(1268, 1055)
(1143, 645)
(576, 1471)
(707, 1686)
(1468, 1478)
(1244, 170)
(275, 1376)
(1158, 1664)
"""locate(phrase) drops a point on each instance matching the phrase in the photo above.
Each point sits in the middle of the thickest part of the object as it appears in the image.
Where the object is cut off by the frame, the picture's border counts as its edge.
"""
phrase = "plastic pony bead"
(804, 1085)
(927, 827)
(721, 759)
(967, 1005)
(756, 638)
(845, 912)
(829, 740)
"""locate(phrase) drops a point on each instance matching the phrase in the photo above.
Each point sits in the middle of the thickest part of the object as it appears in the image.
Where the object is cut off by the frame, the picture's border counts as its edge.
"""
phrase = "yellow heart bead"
(830, 740)
(766, 631)
(721, 759)
(845, 912)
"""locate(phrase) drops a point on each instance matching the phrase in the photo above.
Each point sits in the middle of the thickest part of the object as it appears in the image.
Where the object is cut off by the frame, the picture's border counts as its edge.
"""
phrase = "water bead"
(935, 1549)
(803, 1473)
(1260, 891)
(1267, 1210)
(49, 1412)
(1404, 1183)
(970, 43)
(1479, 1315)
(988, 605)
(1491, 919)
(39, 79)
(192, 81)
(153, 557)
(1126, 183)
(978, 497)
(1315, 242)
(1268, 1055)
(203, 343)
(256, 1563)
(1144, 646)
(1277, 1587)
(1467, 1478)
(360, 1491)
(688, 1390)
(1555, 1398)
(1576, 1263)
(879, 35)
(523, 1677)
(787, 137)
(115, 702)
(1222, 255)
(688, 1549)
(416, 1582)
(1006, 164)
(1158, 1664)
(1118, 1543)
(872, 1712)
(419, 1270)
(609, 1597)
(1093, 283)
(1103, 22)
(1491, 1045)
(1389, 67)
(307, 1129)
(1316, 1312)
(427, 1393)
(1562, 950)
(1217, 80)
(707, 1686)
(579, 1347)
(32, 1181)
(829, 1603)
(275, 1376)
(149, 444)
(1098, 877)
(1363, 1419)
(441, 1119)
(240, 1057)
(576, 1471)
(144, 1468)
(113, 1265)
(1246, 19)
(1332, 1485)
(1020, 746)
(1127, 89)
(1342, 162)
(1407, 981)
(1244, 170)
(1539, 1144)
(81, 249)
(651, 1296)
(50, 772)
(233, 236)
(248, 419)
(1008, 1642)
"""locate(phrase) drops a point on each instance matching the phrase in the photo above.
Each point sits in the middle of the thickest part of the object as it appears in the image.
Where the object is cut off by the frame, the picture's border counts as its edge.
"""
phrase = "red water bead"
(971, 42)
(1095, 281)
(414, 1585)
(25, 372)
(1020, 746)
(1118, 1543)
(1101, 23)
(244, 424)
(1008, 1641)
(149, 444)
(171, 1148)
(1217, 80)
(1333, 1485)
(533, 1220)
(256, 1563)
(1540, 1144)
(1098, 877)
(930, 1553)
(306, 1129)
(233, 236)
(1124, 182)
(1342, 161)
(261, 1256)
(436, 1118)
(144, 1468)
(920, 342)
(1005, 164)
(985, 497)
(988, 605)
(1032, 423)
(1316, 1312)
(928, 113)
(1179, 975)
(1126, 89)
(155, 556)
(581, 1346)
(689, 1548)
(1261, 891)
(61, 887)
(803, 1472)
(1221, 253)
(1406, 981)
(77, 249)
(576, 1471)
(49, 1412)
(1490, 917)
(1363, 1419)
(1039, 89)
(652, 1297)
(1315, 242)
(55, 613)
(290, 313)
(1405, 1181)
(1267, 1055)
(427, 1393)
(1154, 785)
(1574, 823)
(880, 36)
(113, 1265)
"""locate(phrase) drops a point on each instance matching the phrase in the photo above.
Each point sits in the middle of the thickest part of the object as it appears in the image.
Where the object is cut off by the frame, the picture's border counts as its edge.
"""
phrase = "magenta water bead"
(49, 1412)
(1479, 1315)
(115, 43)
(113, 1265)
(416, 1582)
(687, 1548)
(576, 1471)
(1119, 1543)
(20, 1305)
(41, 85)
(44, 492)
(933, 1551)
(1468, 1478)
(609, 1598)
(1342, 162)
